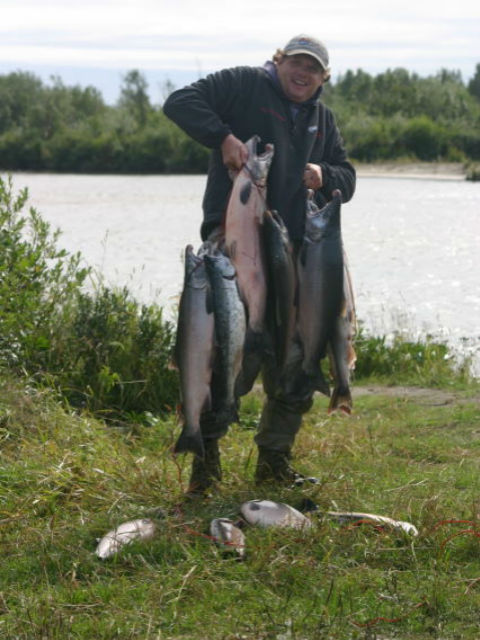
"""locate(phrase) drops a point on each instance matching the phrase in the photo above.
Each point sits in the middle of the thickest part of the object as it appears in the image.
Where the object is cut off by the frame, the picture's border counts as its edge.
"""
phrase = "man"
(280, 102)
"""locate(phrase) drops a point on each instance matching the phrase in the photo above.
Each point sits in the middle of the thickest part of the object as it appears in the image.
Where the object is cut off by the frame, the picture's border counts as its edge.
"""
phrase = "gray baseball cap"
(308, 45)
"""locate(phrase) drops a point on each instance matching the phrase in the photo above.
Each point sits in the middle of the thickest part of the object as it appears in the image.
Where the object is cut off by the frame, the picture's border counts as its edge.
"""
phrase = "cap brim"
(307, 52)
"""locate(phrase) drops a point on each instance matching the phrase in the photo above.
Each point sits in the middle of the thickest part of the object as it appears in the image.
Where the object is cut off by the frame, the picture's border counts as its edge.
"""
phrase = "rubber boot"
(205, 472)
(274, 467)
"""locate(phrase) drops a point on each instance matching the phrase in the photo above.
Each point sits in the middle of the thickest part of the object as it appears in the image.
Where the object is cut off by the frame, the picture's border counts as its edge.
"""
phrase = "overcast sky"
(96, 43)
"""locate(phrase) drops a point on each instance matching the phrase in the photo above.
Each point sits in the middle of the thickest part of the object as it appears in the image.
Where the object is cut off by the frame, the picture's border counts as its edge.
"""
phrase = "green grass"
(66, 479)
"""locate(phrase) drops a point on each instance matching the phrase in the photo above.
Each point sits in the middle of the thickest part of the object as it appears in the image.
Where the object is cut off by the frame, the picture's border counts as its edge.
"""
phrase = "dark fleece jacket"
(246, 101)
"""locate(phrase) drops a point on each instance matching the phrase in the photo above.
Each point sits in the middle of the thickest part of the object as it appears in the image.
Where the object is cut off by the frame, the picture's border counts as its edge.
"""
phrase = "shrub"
(101, 350)
(38, 282)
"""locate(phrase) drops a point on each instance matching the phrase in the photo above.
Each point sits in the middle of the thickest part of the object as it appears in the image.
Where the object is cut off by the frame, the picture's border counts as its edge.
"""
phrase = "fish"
(341, 351)
(228, 535)
(266, 513)
(281, 311)
(230, 327)
(194, 350)
(308, 506)
(113, 541)
(354, 516)
(243, 244)
(320, 291)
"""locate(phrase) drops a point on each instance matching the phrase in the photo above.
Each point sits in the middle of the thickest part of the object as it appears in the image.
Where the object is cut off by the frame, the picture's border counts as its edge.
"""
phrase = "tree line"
(393, 115)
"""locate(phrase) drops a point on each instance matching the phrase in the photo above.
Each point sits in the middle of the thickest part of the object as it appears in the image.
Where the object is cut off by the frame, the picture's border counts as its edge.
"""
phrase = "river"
(413, 244)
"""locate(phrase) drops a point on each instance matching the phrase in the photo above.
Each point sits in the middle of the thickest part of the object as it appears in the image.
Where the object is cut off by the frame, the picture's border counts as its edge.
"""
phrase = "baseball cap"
(308, 45)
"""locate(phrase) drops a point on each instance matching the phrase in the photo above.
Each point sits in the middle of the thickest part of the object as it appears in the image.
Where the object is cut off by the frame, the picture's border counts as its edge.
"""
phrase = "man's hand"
(312, 176)
(234, 152)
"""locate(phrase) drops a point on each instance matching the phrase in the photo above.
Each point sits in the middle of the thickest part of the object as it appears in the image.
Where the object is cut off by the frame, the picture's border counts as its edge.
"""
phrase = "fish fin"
(319, 383)
(192, 443)
(245, 192)
(253, 350)
(342, 400)
(209, 300)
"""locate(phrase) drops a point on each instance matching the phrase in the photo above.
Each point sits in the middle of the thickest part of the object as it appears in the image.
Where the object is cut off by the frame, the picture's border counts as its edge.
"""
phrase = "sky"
(96, 43)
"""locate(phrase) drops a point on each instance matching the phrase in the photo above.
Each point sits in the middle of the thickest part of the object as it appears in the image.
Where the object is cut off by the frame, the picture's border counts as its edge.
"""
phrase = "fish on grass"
(230, 327)
(356, 516)
(320, 275)
(194, 350)
(228, 536)
(267, 513)
(113, 541)
(244, 246)
(281, 310)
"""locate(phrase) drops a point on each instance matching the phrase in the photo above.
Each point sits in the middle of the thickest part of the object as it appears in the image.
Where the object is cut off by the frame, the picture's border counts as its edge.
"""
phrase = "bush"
(38, 283)
(101, 350)
(119, 359)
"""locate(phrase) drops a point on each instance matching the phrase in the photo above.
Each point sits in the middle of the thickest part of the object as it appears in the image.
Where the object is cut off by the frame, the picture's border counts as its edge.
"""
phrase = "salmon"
(243, 244)
(340, 349)
(244, 217)
(113, 541)
(194, 351)
(266, 513)
(230, 327)
(281, 285)
(320, 275)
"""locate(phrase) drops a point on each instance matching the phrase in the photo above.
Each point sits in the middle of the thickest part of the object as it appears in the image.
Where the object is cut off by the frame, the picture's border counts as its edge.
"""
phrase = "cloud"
(187, 36)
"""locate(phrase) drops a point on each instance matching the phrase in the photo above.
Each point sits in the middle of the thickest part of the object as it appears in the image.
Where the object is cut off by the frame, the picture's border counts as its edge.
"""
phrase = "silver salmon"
(228, 536)
(194, 351)
(341, 351)
(266, 513)
(320, 275)
(113, 541)
(230, 327)
(281, 309)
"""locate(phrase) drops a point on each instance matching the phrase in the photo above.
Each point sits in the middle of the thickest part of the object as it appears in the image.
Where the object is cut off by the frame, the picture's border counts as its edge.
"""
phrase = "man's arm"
(202, 108)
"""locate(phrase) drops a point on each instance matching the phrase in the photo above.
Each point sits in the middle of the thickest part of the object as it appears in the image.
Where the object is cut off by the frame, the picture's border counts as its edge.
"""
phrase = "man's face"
(300, 76)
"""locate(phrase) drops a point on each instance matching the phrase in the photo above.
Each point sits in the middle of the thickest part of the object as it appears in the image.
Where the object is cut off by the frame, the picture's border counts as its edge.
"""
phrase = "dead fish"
(228, 535)
(320, 274)
(266, 513)
(113, 541)
(281, 310)
(341, 351)
(244, 246)
(244, 217)
(353, 516)
(230, 327)
(194, 351)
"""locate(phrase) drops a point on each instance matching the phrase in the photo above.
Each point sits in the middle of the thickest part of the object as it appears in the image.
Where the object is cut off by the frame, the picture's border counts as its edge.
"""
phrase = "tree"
(134, 97)
(474, 84)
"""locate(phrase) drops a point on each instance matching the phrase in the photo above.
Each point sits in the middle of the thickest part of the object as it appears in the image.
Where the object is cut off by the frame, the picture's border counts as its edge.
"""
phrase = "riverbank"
(67, 479)
(420, 170)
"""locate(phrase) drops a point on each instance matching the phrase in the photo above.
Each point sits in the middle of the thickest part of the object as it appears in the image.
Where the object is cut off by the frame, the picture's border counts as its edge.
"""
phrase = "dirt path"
(426, 396)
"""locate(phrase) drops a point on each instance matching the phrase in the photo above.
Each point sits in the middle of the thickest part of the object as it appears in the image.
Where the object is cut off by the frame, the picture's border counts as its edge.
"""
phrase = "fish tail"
(342, 400)
(193, 443)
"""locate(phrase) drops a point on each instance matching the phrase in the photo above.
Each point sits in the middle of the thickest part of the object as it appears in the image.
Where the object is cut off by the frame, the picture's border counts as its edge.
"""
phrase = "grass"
(66, 479)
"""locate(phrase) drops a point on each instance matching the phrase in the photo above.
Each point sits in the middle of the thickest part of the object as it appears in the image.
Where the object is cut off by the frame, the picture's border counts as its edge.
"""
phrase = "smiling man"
(280, 102)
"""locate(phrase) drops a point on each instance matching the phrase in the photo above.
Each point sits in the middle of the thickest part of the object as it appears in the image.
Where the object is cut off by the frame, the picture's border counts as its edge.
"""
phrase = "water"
(413, 244)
